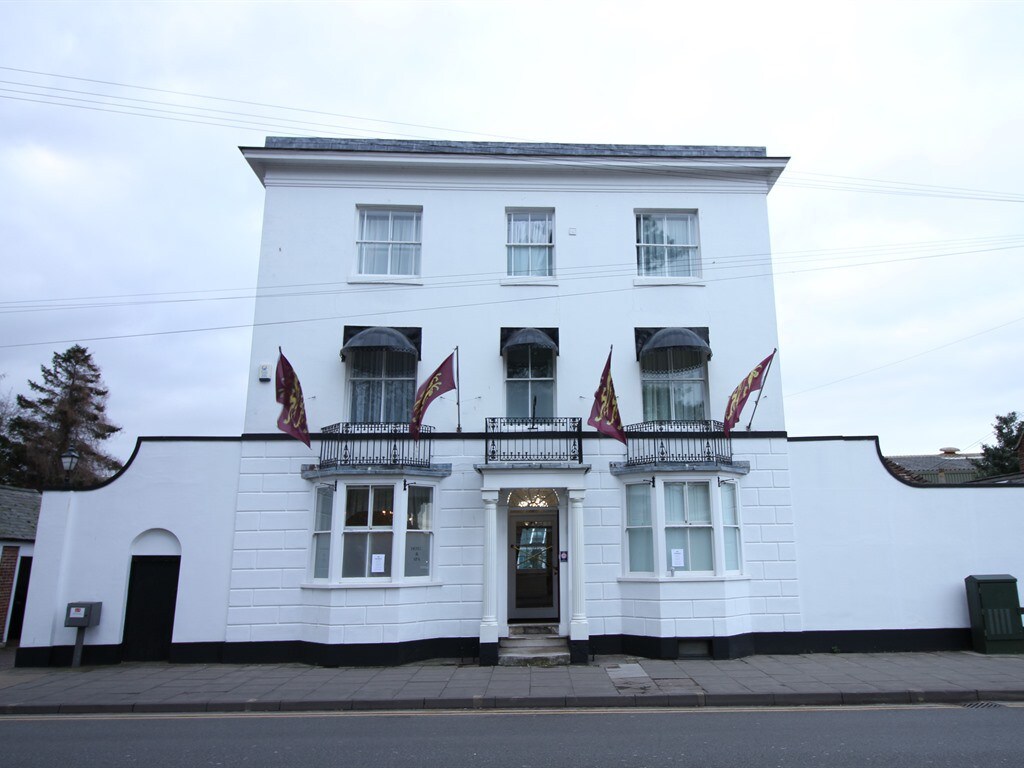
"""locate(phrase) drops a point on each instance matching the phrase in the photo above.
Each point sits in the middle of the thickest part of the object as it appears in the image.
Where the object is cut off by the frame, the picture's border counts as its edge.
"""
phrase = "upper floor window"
(529, 371)
(667, 245)
(383, 383)
(531, 243)
(673, 373)
(389, 241)
(674, 384)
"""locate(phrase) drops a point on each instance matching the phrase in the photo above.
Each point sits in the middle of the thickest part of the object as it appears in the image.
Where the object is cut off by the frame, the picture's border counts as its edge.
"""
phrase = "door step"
(533, 645)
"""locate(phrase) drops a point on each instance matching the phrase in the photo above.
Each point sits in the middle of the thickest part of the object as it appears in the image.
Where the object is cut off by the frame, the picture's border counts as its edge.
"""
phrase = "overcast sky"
(128, 217)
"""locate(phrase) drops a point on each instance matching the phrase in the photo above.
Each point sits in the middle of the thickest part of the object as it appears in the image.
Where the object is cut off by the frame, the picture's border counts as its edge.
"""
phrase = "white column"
(579, 629)
(489, 620)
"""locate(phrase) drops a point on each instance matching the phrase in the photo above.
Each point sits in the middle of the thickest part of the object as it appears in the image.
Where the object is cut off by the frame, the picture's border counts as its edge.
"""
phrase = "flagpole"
(760, 390)
(458, 394)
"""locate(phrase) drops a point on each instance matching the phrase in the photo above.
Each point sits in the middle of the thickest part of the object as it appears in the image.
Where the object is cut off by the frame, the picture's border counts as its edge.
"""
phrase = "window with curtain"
(530, 243)
(673, 381)
(689, 541)
(530, 381)
(639, 529)
(322, 525)
(369, 531)
(731, 526)
(666, 244)
(418, 531)
(389, 241)
(382, 384)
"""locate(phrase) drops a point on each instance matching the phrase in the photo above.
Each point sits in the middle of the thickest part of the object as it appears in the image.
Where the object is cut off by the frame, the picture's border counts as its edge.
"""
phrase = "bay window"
(679, 526)
(367, 531)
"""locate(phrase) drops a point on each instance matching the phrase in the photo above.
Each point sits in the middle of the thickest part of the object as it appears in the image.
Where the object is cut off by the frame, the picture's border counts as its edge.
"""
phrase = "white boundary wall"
(876, 553)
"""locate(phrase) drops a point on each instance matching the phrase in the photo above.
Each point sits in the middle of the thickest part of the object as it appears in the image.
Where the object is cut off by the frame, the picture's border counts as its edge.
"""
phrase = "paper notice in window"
(678, 558)
(377, 563)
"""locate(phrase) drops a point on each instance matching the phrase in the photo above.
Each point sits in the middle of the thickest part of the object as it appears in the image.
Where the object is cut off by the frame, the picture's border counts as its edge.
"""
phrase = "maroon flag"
(750, 384)
(604, 416)
(292, 420)
(440, 381)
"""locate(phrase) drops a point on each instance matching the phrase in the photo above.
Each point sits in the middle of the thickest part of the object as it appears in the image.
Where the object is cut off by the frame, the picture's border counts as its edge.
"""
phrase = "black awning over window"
(381, 337)
(651, 339)
(547, 338)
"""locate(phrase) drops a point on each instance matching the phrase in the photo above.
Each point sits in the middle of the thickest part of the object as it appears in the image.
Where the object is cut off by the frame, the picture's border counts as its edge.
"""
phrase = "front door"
(533, 565)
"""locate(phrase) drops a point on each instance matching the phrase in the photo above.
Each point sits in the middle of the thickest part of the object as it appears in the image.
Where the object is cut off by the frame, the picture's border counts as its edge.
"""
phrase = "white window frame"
(383, 378)
(553, 378)
(547, 247)
(665, 267)
(661, 559)
(364, 242)
(397, 556)
(641, 488)
(323, 528)
(688, 526)
(670, 381)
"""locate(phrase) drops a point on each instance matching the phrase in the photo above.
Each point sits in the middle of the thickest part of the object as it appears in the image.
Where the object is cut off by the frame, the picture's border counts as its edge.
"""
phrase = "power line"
(584, 272)
(794, 179)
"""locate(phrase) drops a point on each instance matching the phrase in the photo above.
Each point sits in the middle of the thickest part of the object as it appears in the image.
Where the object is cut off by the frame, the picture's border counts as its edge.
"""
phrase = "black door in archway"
(149, 613)
(18, 603)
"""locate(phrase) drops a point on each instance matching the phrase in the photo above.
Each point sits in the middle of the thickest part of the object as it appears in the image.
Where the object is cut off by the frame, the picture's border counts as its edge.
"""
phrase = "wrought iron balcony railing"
(677, 442)
(347, 444)
(539, 439)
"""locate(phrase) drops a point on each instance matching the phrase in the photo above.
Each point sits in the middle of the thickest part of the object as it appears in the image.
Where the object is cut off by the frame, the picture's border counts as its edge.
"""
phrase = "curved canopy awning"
(380, 337)
(677, 338)
(529, 337)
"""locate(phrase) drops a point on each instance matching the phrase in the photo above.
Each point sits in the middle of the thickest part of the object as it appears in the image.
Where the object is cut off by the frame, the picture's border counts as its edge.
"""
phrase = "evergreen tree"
(1001, 458)
(68, 411)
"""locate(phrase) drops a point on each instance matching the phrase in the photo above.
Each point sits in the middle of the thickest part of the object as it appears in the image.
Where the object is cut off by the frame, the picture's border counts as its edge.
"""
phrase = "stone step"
(536, 659)
(550, 642)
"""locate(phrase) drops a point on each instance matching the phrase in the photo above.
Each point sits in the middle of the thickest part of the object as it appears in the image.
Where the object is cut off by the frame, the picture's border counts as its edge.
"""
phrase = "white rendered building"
(379, 258)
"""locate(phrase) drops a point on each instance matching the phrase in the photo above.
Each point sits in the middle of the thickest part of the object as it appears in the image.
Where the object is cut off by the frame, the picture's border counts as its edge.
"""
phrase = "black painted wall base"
(283, 652)
(488, 654)
(465, 648)
(579, 651)
(738, 646)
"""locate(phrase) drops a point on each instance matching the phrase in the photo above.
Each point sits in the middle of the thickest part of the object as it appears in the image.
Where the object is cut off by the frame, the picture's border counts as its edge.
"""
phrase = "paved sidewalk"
(610, 681)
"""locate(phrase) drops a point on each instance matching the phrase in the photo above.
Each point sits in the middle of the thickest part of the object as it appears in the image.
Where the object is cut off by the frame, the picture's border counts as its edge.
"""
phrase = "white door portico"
(502, 483)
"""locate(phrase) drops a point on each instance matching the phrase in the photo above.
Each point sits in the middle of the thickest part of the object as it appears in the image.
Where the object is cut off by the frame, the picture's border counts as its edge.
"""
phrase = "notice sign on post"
(377, 563)
(678, 558)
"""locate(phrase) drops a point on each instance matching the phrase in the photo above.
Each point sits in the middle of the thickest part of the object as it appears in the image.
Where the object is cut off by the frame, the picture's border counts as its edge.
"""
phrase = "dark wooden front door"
(149, 613)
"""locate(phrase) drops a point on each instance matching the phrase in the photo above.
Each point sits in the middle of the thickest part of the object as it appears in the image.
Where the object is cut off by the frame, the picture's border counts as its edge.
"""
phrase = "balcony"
(677, 442)
(374, 445)
(524, 440)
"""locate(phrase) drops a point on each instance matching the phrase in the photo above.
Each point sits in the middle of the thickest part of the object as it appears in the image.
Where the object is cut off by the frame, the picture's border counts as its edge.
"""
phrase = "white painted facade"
(823, 537)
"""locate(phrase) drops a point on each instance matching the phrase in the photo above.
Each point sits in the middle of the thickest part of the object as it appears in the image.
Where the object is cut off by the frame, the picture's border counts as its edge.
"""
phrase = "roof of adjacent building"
(19, 513)
(513, 148)
(939, 462)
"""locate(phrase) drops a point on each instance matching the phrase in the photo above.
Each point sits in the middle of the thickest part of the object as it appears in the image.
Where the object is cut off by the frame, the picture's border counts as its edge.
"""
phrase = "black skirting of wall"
(579, 651)
(361, 655)
(391, 654)
(488, 654)
(738, 646)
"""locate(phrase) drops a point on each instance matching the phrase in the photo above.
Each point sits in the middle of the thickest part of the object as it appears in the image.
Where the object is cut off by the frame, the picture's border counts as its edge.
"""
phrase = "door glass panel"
(534, 587)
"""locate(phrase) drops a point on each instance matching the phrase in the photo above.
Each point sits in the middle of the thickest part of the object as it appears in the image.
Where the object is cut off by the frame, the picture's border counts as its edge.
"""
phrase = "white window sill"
(683, 578)
(376, 584)
(387, 279)
(694, 282)
(539, 281)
